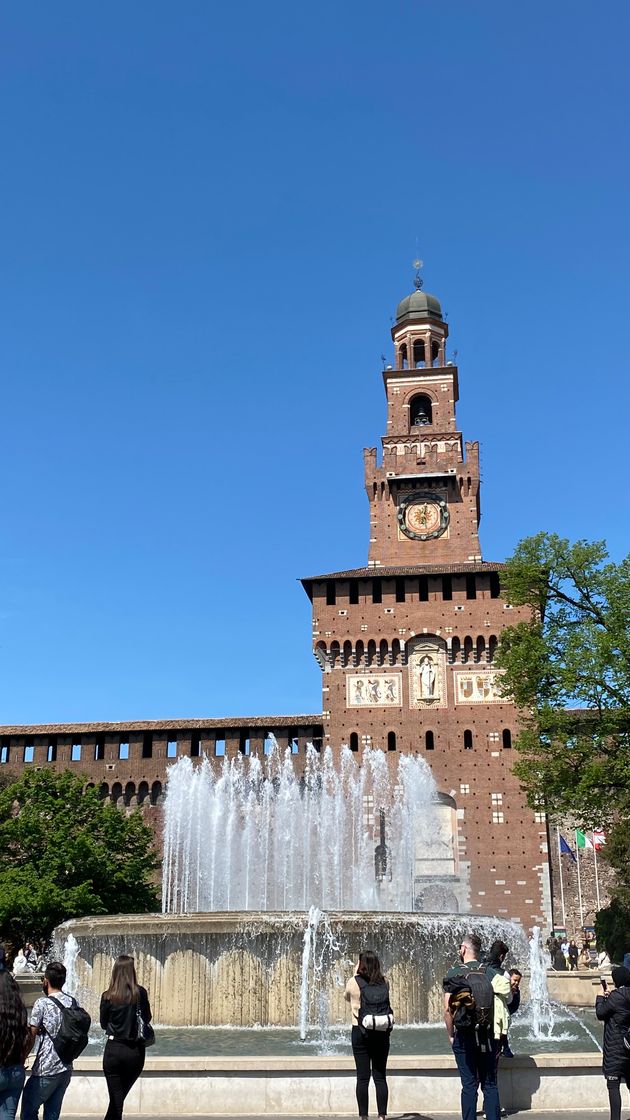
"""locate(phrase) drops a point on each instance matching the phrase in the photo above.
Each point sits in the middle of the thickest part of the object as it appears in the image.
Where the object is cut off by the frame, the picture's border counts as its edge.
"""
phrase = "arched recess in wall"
(426, 658)
(420, 411)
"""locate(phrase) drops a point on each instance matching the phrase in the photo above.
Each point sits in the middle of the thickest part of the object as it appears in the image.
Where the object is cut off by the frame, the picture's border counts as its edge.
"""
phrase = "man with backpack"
(469, 1016)
(61, 1026)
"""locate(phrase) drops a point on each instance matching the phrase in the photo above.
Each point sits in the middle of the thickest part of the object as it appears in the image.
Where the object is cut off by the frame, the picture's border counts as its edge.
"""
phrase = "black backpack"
(472, 999)
(72, 1036)
(375, 1010)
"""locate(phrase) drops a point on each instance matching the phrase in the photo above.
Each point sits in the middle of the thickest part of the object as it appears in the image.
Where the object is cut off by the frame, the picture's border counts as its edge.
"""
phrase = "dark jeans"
(11, 1084)
(123, 1063)
(46, 1091)
(370, 1057)
(477, 1064)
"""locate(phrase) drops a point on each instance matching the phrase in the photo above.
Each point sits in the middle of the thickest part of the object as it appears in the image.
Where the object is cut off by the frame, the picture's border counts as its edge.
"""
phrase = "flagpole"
(596, 875)
(577, 860)
(564, 917)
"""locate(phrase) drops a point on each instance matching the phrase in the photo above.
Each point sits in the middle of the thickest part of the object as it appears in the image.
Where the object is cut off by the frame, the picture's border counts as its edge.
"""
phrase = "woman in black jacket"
(121, 1006)
(614, 1008)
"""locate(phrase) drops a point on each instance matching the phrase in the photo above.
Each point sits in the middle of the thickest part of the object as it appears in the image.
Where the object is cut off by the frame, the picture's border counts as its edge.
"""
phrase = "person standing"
(370, 1048)
(573, 954)
(13, 1045)
(474, 1047)
(124, 1002)
(50, 1076)
(613, 1007)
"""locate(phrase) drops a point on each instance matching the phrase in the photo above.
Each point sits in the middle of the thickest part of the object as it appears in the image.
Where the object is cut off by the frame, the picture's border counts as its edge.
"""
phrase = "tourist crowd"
(480, 995)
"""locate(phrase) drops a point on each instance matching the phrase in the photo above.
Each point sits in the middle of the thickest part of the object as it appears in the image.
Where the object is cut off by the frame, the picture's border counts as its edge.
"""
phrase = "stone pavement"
(589, 1115)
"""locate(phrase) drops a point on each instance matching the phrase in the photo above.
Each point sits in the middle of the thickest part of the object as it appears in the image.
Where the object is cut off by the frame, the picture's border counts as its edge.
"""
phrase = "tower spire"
(418, 281)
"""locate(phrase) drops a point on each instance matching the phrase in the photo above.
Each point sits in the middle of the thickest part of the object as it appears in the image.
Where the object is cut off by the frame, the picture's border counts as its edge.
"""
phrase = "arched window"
(481, 647)
(143, 792)
(418, 354)
(468, 740)
(429, 740)
(456, 647)
(492, 647)
(354, 741)
(391, 740)
(507, 738)
(402, 357)
(157, 796)
(468, 648)
(420, 411)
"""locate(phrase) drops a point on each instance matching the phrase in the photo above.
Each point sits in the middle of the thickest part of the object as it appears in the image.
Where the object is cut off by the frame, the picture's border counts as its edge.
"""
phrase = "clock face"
(423, 516)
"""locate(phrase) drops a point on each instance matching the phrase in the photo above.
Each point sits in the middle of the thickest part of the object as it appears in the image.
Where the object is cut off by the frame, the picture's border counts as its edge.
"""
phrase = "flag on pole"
(581, 839)
(599, 838)
(566, 849)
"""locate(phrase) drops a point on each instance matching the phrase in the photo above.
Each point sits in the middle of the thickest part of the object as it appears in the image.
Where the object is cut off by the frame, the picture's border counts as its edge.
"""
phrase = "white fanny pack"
(377, 1022)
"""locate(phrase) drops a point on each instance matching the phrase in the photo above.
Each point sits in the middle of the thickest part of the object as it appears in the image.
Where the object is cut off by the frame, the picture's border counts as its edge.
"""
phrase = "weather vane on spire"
(418, 281)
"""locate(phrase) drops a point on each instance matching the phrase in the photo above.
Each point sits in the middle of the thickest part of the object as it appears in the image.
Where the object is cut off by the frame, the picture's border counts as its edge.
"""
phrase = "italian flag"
(581, 839)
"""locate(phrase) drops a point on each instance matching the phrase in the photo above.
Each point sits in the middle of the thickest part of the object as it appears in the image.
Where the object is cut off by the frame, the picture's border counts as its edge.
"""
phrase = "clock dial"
(423, 516)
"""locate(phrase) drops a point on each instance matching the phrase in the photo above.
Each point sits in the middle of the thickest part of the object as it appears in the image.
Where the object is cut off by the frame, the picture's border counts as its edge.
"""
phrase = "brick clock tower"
(406, 644)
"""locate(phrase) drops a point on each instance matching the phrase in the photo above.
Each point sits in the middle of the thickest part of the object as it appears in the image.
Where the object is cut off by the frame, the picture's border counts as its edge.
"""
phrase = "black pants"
(614, 1095)
(370, 1057)
(123, 1063)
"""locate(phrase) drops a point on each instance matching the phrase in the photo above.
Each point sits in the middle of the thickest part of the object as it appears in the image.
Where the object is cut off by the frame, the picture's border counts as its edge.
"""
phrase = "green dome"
(419, 305)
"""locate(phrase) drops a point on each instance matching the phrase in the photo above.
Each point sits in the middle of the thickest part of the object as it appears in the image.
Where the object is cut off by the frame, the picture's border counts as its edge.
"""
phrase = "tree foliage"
(64, 853)
(568, 669)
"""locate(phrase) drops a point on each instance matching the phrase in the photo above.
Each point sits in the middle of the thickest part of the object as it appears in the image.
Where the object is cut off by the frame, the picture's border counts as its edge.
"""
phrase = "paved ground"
(400, 1116)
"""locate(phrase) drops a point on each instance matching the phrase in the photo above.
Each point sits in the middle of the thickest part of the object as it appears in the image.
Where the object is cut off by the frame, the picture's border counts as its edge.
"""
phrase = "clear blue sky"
(208, 215)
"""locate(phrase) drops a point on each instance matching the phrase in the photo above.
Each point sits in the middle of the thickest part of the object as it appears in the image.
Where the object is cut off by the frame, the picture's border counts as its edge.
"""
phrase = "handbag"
(146, 1034)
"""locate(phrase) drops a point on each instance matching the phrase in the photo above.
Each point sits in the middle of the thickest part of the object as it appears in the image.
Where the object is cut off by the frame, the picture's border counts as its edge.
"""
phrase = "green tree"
(568, 669)
(64, 853)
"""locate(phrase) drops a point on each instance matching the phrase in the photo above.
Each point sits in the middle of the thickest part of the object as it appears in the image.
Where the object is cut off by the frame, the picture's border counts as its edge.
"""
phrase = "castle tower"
(406, 643)
(424, 497)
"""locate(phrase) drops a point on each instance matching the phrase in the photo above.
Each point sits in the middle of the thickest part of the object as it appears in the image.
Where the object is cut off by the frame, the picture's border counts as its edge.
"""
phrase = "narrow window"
(51, 754)
(377, 591)
(99, 748)
(507, 738)
(75, 752)
(171, 748)
(354, 741)
(423, 589)
(317, 744)
(243, 742)
(123, 750)
(156, 793)
(29, 752)
(331, 593)
(495, 585)
(471, 587)
(429, 741)
(219, 748)
(294, 741)
(354, 592)
(195, 744)
(4, 754)
(268, 743)
(147, 744)
(391, 740)
(468, 740)
(400, 590)
(447, 587)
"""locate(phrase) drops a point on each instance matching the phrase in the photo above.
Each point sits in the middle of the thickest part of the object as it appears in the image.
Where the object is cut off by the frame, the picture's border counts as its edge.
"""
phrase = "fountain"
(277, 872)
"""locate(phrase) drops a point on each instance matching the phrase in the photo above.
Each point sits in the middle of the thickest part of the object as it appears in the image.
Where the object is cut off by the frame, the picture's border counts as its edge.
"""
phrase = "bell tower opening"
(420, 411)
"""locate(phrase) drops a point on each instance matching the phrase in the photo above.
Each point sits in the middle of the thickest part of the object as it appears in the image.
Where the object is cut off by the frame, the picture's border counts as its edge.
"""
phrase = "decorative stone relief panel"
(427, 673)
(374, 690)
(478, 687)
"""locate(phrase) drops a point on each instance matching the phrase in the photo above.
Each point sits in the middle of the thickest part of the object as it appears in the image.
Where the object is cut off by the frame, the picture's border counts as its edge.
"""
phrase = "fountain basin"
(246, 969)
(323, 1086)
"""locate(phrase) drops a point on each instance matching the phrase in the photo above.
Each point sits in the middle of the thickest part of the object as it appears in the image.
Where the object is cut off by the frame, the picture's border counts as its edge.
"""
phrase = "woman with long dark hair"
(124, 1008)
(13, 1045)
(369, 1047)
(614, 1008)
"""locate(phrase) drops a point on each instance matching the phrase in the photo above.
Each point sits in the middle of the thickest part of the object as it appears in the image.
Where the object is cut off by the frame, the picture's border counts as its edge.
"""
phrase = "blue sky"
(209, 214)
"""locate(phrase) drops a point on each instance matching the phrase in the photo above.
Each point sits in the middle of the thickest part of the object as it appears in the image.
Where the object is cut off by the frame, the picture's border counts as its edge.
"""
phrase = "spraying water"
(542, 1016)
(71, 951)
(257, 834)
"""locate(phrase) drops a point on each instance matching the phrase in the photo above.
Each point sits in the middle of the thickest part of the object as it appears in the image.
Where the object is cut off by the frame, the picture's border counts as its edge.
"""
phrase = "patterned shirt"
(46, 1014)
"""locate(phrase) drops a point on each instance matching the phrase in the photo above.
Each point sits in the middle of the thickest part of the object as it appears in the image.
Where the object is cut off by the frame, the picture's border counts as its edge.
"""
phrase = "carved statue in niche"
(427, 673)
